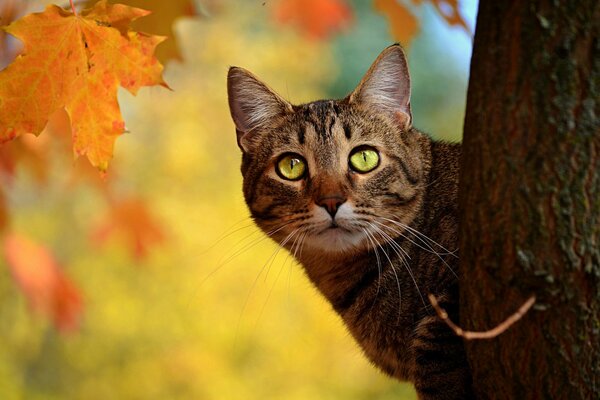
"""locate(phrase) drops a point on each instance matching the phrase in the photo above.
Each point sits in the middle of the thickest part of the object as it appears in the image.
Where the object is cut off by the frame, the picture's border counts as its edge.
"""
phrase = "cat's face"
(331, 175)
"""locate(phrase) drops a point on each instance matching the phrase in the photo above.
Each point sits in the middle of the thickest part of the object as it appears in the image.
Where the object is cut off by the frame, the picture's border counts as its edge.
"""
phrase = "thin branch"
(492, 333)
(73, 7)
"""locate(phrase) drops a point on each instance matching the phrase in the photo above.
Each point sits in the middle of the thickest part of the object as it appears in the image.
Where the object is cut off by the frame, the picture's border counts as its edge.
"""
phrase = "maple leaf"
(46, 287)
(448, 9)
(9, 11)
(77, 62)
(132, 221)
(164, 14)
(316, 18)
(403, 23)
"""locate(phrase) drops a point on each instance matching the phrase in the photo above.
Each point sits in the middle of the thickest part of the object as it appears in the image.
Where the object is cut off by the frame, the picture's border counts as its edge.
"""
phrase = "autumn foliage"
(43, 282)
(62, 87)
(88, 56)
(318, 19)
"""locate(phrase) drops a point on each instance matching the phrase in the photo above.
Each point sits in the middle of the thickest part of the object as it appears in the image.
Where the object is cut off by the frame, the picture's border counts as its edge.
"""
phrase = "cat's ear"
(386, 86)
(252, 104)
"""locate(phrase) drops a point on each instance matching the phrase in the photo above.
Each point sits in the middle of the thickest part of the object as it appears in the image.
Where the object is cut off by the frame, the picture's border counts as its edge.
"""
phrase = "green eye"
(291, 167)
(364, 159)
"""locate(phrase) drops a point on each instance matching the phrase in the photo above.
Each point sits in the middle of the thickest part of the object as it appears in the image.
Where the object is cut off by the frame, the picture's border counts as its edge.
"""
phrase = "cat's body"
(368, 205)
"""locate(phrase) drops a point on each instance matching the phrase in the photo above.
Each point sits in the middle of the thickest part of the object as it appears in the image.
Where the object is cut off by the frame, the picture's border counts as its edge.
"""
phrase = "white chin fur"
(336, 240)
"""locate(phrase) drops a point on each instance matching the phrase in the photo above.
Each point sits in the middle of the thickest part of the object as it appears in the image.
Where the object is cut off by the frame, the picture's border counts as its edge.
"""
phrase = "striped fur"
(393, 238)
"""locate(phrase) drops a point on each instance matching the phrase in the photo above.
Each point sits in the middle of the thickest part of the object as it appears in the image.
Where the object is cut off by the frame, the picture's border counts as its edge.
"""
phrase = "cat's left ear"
(386, 86)
(253, 105)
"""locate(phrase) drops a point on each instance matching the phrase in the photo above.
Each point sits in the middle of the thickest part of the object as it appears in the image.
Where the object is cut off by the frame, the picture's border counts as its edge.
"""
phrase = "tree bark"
(530, 199)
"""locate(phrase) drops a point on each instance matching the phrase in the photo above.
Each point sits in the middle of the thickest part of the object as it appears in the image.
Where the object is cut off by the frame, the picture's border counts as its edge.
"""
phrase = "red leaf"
(3, 212)
(317, 19)
(132, 221)
(46, 287)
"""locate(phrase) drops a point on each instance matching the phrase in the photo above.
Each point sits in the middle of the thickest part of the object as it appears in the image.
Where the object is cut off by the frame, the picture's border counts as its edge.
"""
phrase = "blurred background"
(160, 286)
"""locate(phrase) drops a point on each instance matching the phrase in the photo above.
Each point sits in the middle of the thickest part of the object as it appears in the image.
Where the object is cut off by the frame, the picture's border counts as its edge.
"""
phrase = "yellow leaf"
(77, 62)
(403, 23)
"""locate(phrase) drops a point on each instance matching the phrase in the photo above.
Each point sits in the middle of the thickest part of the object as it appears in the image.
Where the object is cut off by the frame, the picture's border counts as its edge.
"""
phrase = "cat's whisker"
(422, 235)
(291, 250)
(254, 242)
(302, 236)
(242, 243)
(395, 246)
(302, 246)
(228, 232)
(424, 238)
(429, 249)
(379, 268)
(246, 247)
(271, 257)
(299, 246)
(404, 252)
(282, 244)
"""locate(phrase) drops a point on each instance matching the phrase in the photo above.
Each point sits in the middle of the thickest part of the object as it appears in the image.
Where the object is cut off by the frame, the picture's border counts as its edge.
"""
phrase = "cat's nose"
(331, 203)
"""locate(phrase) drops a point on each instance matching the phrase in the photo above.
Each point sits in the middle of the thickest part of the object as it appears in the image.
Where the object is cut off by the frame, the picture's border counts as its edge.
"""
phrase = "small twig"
(492, 333)
(73, 7)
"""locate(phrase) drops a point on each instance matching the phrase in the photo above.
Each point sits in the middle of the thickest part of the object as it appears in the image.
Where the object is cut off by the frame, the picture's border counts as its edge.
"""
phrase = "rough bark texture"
(530, 199)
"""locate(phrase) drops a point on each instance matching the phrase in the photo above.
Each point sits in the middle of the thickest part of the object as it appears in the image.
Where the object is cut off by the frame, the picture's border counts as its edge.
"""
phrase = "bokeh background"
(203, 307)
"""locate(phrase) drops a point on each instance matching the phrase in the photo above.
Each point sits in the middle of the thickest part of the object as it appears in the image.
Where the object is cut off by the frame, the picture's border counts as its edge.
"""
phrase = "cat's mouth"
(335, 227)
(333, 237)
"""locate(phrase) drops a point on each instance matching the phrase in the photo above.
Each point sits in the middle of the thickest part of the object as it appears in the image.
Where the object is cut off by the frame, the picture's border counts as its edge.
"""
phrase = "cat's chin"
(336, 240)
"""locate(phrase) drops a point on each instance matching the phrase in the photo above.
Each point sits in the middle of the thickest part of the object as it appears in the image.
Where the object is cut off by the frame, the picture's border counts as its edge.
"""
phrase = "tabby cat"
(368, 206)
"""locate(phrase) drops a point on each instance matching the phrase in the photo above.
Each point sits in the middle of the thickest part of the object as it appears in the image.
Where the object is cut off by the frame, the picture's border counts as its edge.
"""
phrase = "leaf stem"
(73, 7)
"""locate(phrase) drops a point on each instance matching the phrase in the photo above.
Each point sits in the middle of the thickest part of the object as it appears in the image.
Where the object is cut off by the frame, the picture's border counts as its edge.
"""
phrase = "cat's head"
(331, 174)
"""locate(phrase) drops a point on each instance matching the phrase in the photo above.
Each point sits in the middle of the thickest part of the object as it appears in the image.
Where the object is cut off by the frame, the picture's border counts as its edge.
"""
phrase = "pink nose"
(331, 203)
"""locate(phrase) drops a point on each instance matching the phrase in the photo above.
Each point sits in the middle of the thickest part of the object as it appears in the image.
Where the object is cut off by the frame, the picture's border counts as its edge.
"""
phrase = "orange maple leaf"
(41, 279)
(131, 220)
(77, 62)
(448, 9)
(315, 18)
(403, 24)
(164, 14)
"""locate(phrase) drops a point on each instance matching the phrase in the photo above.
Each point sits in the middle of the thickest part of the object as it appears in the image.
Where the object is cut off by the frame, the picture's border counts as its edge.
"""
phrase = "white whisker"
(428, 249)
(397, 248)
(278, 275)
(272, 257)
(375, 245)
(424, 238)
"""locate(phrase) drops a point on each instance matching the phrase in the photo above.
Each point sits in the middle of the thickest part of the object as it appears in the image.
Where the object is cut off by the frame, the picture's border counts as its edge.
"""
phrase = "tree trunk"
(530, 199)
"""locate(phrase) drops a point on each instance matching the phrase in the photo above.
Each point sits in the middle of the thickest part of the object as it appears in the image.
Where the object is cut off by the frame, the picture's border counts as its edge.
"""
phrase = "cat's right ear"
(252, 104)
(386, 86)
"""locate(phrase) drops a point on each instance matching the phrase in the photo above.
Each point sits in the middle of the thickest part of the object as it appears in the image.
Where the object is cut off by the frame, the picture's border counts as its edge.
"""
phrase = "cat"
(368, 205)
